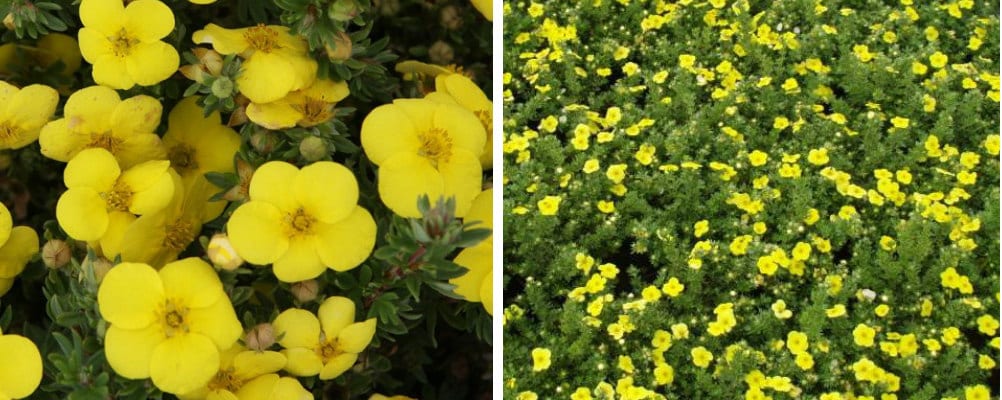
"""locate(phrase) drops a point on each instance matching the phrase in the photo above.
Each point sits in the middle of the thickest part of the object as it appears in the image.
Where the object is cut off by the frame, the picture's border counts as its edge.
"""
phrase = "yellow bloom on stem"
(275, 61)
(328, 346)
(97, 188)
(477, 284)
(17, 246)
(458, 89)
(247, 374)
(96, 117)
(123, 42)
(301, 227)
(21, 371)
(23, 112)
(486, 8)
(424, 147)
(306, 107)
(169, 326)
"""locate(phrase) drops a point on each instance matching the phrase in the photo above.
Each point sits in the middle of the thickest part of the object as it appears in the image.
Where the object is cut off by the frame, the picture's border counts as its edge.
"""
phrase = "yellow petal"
(347, 243)
(224, 41)
(355, 338)
(152, 186)
(107, 16)
(65, 48)
(275, 115)
(486, 8)
(7, 91)
(148, 20)
(300, 262)
(487, 292)
(327, 90)
(304, 69)
(302, 361)
(95, 168)
(251, 364)
(136, 115)
(405, 177)
(327, 191)
(184, 363)
(463, 127)
(299, 327)
(217, 322)
(419, 111)
(118, 224)
(21, 371)
(19, 248)
(6, 223)
(58, 142)
(129, 351)
(32, 107)
(269, 183)
(386, 131)
(462, 177)
(91, 107)
(192, 281)
(256, 232)
(264, 77)
(464, 90)
(335, 314)
(337, 366)
(110, 70)
(150, 63)
(482, 210)
(130, 294)
(82, 213)
(289, 388)
(93, 44)
(478, 260)
(259, 388)
(146, 238)
(411, 66)
(138, 148)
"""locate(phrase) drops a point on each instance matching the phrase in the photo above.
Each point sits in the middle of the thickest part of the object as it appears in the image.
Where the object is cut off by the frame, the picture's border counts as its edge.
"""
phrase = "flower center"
(299, 223)
(182, 158)
(178, 235)
(8, 134)
(436, 146)
(173, 318)
(315, 112)
(225, 380)
(121, 45)
(119, 198)
(329, 349)
(261, 38)
(105, 140)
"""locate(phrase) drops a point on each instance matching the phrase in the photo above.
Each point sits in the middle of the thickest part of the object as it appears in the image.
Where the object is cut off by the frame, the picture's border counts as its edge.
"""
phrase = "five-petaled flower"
(327, 346)
(123, 42)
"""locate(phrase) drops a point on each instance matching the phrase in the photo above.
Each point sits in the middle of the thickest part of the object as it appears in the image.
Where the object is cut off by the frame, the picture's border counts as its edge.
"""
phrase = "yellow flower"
(796, 341)
(245, 373)
(424, 147)
(837, 311)
(275, 61)
(98, 188)
(818, 156)
(607, 207)
(978, 392)
(938, 60)
(780, 123)
(701, 228)
(328, 346)
(123, 42)
(169, 326)
(987, 325)
(540, 359)
(863, 335)
(17, 246)
(701, 357)
(780, 311)
(458, 89)
(549, 205)
(985, 362)
(882, 310)
(673, 287)
(96, 117)
(477, 283)
(23, 370)
(664, 374)
(299, 226)
(804, 361)
(900, 122)
(23, 112)
(306, 107)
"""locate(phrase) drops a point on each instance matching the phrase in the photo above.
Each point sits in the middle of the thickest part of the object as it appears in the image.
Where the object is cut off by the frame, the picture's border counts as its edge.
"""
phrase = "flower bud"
(222, 254)
(260, 337)
(450, 18)
(343, 10)
(210, 64)
(222, 87)
(100, 266)
(441, 53)
(305, 291)
(342, 48)
(8, 21)
(55, 253)
(313, 148)
(263, 141)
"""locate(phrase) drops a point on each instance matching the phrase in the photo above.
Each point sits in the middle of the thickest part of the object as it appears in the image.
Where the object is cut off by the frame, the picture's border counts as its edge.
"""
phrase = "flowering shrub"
(245, 199)
(729, 199)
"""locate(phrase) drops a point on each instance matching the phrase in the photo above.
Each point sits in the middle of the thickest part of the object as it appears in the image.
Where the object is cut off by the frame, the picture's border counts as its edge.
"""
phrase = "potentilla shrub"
(734, 199)
(245, 199)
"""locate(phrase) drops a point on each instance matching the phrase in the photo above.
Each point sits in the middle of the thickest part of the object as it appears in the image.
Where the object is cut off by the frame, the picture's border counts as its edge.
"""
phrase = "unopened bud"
(260, 337)
(222, 254)
(441, 53)
(55, 253)
(100, 267)
(8, 21)
(450, 18)
(313, 148)
(264, 142)
(342, 48)
(305, 291)
(222, 87)
(343, 10)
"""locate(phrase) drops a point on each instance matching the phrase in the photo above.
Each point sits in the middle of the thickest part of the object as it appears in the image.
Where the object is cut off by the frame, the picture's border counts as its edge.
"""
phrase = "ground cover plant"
(245, 199)
(745, 199)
